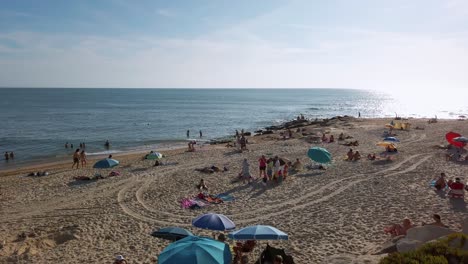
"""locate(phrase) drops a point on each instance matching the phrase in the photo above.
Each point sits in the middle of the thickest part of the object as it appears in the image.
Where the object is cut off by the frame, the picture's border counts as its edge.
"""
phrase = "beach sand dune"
(330, 215)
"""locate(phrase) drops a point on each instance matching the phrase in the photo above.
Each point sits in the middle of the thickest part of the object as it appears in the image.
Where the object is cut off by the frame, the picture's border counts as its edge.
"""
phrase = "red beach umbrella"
(450, 139)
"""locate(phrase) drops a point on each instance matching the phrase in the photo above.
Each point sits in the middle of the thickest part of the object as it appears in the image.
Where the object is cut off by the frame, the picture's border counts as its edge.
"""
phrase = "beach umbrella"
(461, 139)
(258, 232)
(172, 233)
(154, 156)
(106, 163)
(450, 136)
(196, 250)
(385, 144)
(391, 139)
(213, 221)
(319, 155)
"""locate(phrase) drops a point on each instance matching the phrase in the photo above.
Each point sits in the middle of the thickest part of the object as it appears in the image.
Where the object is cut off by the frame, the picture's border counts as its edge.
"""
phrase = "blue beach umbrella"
(258, 232)
(213, 221)
(106, 163)
(319, 155)
(391, 139)
(196, 250)
(172, 233)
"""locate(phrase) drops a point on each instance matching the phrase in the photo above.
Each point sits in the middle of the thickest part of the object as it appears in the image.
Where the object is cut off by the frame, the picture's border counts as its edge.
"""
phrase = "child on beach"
(270, 166)
(286, 170)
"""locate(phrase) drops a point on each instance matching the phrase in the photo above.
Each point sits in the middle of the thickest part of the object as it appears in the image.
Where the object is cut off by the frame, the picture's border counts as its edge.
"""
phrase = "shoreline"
(178, 145)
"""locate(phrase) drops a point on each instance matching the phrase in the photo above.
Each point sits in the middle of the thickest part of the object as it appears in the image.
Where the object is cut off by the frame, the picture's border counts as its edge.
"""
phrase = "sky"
(363, 44)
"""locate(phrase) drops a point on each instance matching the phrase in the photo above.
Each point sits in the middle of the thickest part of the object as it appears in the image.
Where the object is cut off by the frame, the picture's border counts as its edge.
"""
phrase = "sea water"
(35, 123)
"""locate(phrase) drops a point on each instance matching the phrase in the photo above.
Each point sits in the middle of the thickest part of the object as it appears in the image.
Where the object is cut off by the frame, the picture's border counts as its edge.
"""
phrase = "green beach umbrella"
(319, 155)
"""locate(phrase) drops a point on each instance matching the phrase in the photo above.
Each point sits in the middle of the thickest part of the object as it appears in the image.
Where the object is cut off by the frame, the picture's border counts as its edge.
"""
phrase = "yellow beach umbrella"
(386, 144)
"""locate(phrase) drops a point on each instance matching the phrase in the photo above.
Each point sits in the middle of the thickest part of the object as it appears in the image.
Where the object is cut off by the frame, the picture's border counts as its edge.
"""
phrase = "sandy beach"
(341, 211)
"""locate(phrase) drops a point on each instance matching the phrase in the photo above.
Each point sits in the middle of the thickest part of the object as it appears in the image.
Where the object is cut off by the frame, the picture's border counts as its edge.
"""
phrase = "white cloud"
(165, 12)
(236, 58)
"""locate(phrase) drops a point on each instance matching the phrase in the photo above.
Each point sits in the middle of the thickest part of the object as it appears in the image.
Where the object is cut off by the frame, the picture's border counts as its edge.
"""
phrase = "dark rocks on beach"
(247, 133)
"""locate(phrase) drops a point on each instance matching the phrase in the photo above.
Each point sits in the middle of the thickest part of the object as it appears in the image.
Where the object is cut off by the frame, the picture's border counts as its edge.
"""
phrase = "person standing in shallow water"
(76, 159)
(6, 156)
(12, 155)
(201, 134)
(188, 133)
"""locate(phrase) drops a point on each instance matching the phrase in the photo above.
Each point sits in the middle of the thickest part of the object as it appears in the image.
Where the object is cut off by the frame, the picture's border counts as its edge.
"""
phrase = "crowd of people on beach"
(272, 169)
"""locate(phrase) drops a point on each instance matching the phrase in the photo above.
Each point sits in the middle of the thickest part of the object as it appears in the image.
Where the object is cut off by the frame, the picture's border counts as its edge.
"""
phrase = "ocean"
(37, 122)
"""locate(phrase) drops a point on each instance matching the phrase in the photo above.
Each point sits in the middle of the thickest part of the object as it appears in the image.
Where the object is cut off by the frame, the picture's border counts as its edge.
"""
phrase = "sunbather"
(297, 165)
(341, 136)
(371, 156)
(440, 182)
(356, 156)
(324, 138)
(457, 188)
(350, 155)
(437, 221)
(397, 229)
(332, 139)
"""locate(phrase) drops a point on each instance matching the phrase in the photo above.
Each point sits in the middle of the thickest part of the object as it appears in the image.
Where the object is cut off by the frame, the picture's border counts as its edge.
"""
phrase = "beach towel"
(225, 197)
(213, 200)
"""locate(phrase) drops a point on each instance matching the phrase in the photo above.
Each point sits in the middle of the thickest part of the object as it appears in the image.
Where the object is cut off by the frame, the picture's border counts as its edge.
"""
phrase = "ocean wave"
(103, 152)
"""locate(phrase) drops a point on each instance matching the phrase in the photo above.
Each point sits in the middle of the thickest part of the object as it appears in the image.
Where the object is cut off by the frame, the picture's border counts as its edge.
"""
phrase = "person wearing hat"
(120, 260)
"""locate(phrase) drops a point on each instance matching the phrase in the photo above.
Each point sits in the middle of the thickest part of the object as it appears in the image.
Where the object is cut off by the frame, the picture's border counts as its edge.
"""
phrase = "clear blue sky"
(263, 43)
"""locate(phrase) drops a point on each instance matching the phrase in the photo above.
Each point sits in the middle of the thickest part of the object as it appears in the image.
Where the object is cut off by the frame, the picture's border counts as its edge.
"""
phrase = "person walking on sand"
(83, 158)
(76, 159)
(201, 134)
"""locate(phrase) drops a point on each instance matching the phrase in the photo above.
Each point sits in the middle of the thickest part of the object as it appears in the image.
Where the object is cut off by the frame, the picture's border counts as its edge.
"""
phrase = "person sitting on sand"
(120, 260)
(457, 188)
(371, 156)
(332, 139)
(341, 136)
(350, 155)
(324, 138)
(441, 182)
(397, 229)
(356, 156)
(202, 185)
(437, 221)
(297, 165)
